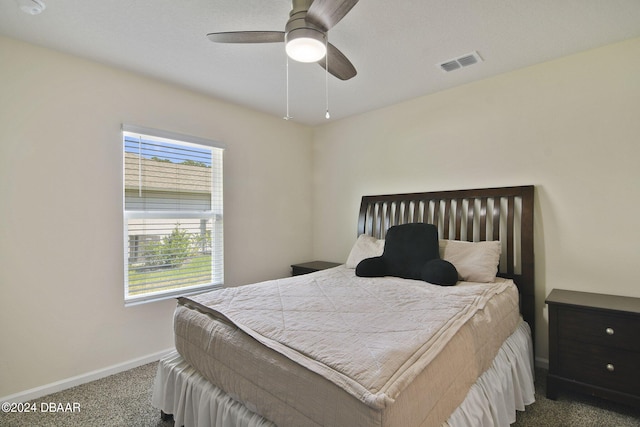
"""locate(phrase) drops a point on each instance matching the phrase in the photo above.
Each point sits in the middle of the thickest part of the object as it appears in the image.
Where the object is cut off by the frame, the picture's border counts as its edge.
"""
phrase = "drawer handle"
(610, 367)
(609, 331)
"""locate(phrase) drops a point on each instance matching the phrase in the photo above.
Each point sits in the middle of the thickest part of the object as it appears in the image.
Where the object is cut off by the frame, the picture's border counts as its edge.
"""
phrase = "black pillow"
(440, 272)
(407, 248)
(371, 267)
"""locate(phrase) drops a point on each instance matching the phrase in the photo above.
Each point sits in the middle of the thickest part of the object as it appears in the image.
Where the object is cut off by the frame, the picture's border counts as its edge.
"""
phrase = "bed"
(332, 348)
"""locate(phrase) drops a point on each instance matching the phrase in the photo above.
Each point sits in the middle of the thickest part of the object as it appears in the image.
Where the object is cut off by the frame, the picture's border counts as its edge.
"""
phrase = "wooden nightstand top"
(311, 267)
(316, 265)
(593, 300)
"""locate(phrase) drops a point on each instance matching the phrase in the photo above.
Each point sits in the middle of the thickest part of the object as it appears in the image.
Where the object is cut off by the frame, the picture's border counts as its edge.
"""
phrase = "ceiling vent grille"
(460, 62)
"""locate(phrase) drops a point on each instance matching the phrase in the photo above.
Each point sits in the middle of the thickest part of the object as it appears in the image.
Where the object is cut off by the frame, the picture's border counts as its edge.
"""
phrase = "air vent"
(462, 61)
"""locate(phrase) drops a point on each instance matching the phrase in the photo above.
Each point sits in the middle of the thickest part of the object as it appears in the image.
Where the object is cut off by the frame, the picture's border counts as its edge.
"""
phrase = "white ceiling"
(396, 46)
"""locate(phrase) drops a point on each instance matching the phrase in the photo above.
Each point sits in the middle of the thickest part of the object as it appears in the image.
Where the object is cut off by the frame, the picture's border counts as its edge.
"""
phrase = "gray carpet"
(121, 400)
(574, 410)
(125, 400)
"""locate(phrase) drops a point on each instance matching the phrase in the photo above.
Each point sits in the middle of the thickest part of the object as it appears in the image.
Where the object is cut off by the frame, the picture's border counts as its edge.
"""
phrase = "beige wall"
(570, 126)
(61, 254)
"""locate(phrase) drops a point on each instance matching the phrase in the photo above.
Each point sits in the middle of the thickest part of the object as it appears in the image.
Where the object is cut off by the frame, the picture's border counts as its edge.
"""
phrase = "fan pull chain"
(287, 117)
(326, 76)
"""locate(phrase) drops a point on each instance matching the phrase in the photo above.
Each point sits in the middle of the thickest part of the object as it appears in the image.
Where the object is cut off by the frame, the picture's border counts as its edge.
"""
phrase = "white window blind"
(173, 214)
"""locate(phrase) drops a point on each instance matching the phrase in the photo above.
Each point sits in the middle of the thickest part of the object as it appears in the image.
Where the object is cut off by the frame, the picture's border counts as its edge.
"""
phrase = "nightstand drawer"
(590, 326)
(600, 366)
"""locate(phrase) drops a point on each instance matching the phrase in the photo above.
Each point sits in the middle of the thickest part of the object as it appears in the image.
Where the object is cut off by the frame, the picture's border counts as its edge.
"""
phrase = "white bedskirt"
(505, 387)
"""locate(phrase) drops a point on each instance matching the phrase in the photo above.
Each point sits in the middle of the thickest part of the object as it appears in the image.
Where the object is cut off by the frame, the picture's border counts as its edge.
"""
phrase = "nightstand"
(310, 267)
(594, 345)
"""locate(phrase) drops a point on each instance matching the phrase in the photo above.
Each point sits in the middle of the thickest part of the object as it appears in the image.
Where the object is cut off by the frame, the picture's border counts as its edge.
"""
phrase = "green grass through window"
(196, 271)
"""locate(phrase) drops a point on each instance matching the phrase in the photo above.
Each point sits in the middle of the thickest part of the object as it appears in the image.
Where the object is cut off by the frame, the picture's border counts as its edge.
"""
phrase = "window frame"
(215, 214)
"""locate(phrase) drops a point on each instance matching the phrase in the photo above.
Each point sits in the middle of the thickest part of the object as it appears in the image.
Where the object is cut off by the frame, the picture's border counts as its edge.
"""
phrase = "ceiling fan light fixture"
(306, 45)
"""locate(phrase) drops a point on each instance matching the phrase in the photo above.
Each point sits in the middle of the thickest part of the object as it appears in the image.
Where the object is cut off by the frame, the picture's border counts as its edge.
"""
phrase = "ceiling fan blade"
(327, 13)
(247, 37)
(339, 65)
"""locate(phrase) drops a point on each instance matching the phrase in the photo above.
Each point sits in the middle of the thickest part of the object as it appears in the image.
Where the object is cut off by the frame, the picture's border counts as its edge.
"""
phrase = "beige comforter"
(371, 337)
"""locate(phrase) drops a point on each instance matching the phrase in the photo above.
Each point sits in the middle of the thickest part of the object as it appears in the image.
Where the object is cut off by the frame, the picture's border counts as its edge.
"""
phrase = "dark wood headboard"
(504, 214)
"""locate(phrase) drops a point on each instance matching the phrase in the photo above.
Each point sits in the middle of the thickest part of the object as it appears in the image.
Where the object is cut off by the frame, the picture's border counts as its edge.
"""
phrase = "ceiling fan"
(305, 35)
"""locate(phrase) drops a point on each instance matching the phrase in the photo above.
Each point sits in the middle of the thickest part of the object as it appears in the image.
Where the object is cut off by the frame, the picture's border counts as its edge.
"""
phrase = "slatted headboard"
(504, 214)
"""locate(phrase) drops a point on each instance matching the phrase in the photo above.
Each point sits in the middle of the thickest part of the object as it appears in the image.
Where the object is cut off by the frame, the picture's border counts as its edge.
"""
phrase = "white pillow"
(365, 247)
(475, 261)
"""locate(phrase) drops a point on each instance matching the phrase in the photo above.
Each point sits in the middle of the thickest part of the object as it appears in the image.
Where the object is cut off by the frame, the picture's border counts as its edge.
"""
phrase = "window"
(173, 229)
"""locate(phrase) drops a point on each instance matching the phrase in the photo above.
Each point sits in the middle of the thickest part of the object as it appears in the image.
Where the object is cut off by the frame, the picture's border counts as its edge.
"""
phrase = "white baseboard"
(542, 363)
(44, 390)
